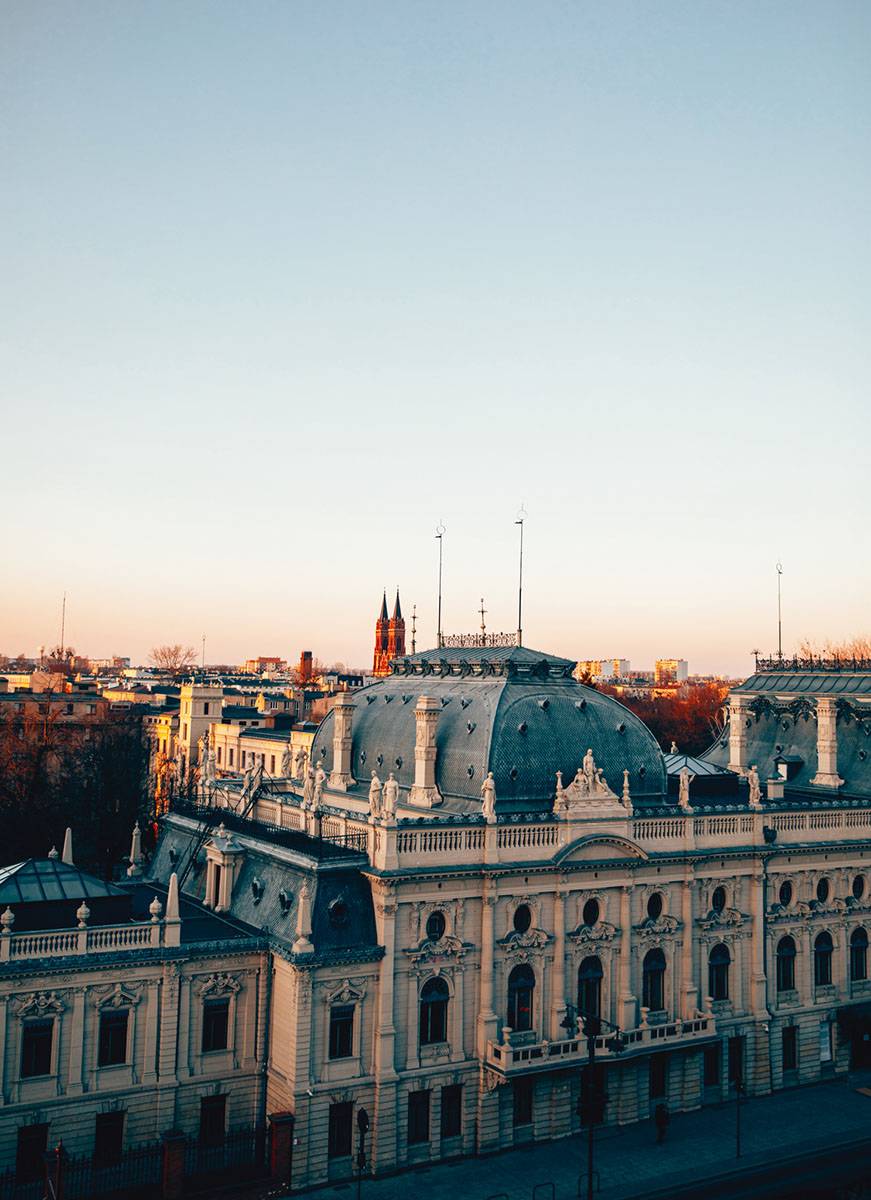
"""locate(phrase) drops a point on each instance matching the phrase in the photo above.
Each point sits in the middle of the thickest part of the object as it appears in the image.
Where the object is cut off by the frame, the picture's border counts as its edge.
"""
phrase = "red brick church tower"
(389, 637)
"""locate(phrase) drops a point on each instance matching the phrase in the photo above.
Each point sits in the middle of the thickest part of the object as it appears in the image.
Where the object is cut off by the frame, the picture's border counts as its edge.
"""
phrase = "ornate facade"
(477, 849)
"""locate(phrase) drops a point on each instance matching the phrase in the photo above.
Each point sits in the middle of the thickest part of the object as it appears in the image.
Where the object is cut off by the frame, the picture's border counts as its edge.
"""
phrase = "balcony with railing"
(511, 1059)
(64, 943)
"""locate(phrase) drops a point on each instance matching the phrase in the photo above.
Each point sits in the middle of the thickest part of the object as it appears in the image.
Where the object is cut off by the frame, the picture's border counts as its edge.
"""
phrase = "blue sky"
(284, 284)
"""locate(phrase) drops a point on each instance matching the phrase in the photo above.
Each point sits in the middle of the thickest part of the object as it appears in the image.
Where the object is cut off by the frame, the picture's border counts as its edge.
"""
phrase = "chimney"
(738, 757)
(425, 793)
(341, 776)
(827, 745)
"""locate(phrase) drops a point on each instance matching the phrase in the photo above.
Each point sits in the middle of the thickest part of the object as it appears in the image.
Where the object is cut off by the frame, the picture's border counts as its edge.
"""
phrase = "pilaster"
(689, 987)
(558, 991)
(627, 1002)
(487, 1019)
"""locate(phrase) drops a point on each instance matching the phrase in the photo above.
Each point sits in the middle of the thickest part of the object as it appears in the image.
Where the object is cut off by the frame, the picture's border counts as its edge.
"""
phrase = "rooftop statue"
(390, 797)
(285, 761)
(308, 789)
(685, 777)
(488, 794)
(755, 788)
(375, 796)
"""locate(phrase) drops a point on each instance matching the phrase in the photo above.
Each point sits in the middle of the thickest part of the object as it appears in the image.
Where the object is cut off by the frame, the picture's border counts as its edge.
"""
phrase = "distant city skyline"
(285, 287)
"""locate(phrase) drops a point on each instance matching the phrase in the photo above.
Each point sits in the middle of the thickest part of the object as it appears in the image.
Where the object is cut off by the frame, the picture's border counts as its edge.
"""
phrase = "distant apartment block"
(670, 670)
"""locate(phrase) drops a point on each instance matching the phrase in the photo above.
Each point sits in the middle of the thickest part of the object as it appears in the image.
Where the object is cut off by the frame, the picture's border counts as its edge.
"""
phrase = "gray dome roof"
(513, 711)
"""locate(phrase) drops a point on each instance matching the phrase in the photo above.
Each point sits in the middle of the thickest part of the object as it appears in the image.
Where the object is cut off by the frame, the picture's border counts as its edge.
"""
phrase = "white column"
(689, 988)
(627, 1018)
(341, 776)
(425, 793)
(487, 1019)
(77, 1043)
(385, 1030)
(558, 997)
(827, 745)
(738, 757)
(757, 946)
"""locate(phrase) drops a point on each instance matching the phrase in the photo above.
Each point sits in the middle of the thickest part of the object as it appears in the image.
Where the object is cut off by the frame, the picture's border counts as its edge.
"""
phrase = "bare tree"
(855, 647)
(175, 660)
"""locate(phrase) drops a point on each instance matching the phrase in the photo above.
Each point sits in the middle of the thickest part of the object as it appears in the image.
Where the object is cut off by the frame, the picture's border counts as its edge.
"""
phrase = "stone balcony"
(510, 1059)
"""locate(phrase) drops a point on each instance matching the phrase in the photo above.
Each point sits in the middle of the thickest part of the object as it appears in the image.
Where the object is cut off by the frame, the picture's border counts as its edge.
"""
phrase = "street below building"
(810, 1142)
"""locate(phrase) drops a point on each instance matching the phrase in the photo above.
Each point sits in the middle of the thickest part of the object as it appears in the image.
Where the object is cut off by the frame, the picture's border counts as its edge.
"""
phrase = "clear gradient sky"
(285, 283)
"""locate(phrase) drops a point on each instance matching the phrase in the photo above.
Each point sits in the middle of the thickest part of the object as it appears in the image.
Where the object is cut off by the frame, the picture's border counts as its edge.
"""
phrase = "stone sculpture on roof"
(308, 789)
(755, 788)
(375, 796)
(685, 778)
(390, 797)
(320, 778)
(488, 795)
(285, 761)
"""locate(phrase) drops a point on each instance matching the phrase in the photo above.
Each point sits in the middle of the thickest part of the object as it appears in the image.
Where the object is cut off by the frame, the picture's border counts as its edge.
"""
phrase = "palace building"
(478, 854)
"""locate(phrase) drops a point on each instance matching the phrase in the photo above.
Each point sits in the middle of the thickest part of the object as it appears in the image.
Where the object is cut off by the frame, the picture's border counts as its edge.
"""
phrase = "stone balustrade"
(61, 943)
(509, 1059)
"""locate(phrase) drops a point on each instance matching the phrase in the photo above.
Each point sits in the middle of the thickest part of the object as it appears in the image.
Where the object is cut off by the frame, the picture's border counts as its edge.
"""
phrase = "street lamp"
(362, 1130)
(594, 1109)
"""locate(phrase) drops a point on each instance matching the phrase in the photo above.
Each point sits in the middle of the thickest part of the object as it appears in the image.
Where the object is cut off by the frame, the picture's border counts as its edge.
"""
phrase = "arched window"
(858, 954)
(718, 972)
(590, 987)
(653, 991)
(521, 988)
(434, 998)
(785, 965)
(823, 959)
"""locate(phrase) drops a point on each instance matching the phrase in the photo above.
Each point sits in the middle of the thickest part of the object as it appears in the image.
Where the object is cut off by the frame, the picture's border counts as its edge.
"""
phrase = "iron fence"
(135, 1174)
(242, 1154)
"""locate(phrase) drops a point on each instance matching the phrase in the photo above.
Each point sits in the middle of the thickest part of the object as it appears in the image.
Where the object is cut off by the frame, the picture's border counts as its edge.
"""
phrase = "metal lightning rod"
(521, 517)
(63, 624)
(779, 623)
(440, 533)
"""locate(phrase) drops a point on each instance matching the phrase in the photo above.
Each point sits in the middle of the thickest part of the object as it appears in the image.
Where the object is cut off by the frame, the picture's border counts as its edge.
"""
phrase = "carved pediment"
(40, 1004)
(656, 931)
(520, 945)
(601, 932)
(726, 918)
(447, 948)
(220, 984)
(347, 992)
(598, 847)
(119, 996)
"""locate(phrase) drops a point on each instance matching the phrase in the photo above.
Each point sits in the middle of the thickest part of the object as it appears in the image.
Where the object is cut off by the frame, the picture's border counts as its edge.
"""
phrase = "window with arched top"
(823, 891)
(653, 980)
(590, 987)
(785, 964)
(718, 972)
(435, 926)
(434, 998)
(823, 959)
(591, 912)
(785, 893)
(521, 992)
(522, 918)
(858, 887)
(859, 955)
(718, 899)
(654, 906)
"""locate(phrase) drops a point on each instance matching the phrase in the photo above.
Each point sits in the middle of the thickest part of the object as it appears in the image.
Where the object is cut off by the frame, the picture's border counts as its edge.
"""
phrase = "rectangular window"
(184, 732)
(216, 889)
(452, 1110)
(108, 1138)
(213, 1116)
(232, 756)
(790, 1048)
(825, 1041)
(339, 1132)
(216, 1017)
(736, 1060)
(219, 755)
(712, 1065)
(658, 1076)
(30, 1153)
(113, 1038)
(206, 709)
(341, 1031)
(418, 1118)
(272, 764)
(522, 1101)
(36, 1049)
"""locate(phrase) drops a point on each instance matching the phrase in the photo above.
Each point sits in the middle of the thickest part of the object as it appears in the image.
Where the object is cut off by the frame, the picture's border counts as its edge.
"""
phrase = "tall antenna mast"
(440, 533)
(779, 623)
(63, 624)
(203, 660)
(521, 517)
(482, 610)
(414, 630)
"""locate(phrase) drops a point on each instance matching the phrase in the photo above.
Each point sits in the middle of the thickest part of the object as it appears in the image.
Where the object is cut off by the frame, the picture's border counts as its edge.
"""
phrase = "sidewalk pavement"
(699, 1146)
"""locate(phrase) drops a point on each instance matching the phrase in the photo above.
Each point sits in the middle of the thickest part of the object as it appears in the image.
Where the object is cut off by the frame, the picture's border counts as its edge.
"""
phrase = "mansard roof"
(507, 709)
(810, 683)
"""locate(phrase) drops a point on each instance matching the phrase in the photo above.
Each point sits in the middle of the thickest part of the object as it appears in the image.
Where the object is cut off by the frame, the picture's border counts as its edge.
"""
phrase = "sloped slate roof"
(832, 683)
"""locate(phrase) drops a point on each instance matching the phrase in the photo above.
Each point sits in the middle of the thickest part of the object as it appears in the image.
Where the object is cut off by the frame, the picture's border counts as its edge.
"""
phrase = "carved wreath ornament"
(220, 984)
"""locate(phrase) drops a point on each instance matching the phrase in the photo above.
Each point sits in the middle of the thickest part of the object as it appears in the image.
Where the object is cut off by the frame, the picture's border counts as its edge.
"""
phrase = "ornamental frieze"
(726, 918)
(347, 992)
(118, 996)
(220, 984)
(521, 946)
(446, 949)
